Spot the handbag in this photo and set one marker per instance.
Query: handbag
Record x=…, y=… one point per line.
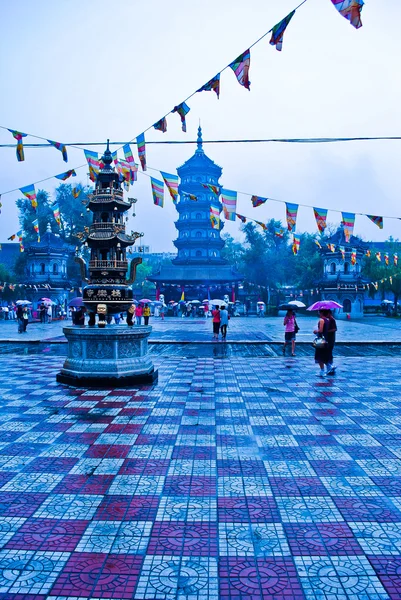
x=319, y=342
x=296, y=328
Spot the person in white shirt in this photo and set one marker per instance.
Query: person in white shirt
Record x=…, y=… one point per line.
x=223, y=322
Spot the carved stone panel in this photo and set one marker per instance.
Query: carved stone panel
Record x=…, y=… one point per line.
x=76, y=349
x=128, y=350
x=99, y=350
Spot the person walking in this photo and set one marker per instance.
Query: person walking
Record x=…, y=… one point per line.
x=138, y=314
x=42, y=313
x=49, y=313
x=146, y=314
x=331, y=340
x=25, y=317
x=162, y=311
x=224, y=317
x=20, y=320
x=322, y=353
x=216, y=322
x=130, y=315
x=290, y=324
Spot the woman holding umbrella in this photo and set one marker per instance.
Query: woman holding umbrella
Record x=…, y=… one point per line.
x=325, y=331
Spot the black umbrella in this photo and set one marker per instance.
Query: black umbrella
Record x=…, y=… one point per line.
x=288, y=307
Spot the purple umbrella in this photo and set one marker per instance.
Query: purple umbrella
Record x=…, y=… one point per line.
x=324, y=304
x=76, y=302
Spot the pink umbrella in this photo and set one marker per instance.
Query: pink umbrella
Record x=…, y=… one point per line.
x=324, y=304
x=145, y=301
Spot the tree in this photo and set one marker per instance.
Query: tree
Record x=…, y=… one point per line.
x=73, y=214
x=308, y=264
x=142, y=272
x=233, y=251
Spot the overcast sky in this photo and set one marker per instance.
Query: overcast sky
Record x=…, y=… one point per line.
x=84, y=71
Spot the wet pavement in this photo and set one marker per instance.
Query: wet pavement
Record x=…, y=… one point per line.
x=229, y=479
x=250, y=329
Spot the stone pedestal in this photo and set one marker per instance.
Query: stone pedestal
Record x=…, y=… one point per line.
x=114, y=356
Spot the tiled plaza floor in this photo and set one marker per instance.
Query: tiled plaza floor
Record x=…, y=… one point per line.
x=243, y=479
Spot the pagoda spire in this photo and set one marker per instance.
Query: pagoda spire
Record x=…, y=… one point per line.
x=200, y=140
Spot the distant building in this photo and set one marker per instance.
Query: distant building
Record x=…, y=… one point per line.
x=47, y=265
x=198, y=269
x=342, y=281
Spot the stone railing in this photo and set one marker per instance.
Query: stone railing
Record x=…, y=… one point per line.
x=113, y=227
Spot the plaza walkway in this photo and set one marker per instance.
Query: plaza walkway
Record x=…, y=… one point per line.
x=229, y=479
x=249, y=329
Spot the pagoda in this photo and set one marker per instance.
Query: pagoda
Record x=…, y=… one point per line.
x=116, y=354
x=199, y=267
x=108, y=286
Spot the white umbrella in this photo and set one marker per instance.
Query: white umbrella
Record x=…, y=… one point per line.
x=23, y=302
x=194, y=301
x=297, y=303
x=216, y=302
x=387, y=302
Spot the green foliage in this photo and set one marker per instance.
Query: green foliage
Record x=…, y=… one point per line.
x=147, y=287
x=233, y=251
x=72, y=211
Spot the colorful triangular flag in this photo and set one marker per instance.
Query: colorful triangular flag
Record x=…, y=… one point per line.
x=291, y=215
x=278, y=31
x=18, y=135
x=29, y=192
x=157, y=191
x=66, y=175
x=161, y=125
x=229, y=201
x=258, y=201
x=241, y=66
x=60, y=147
x=182, y=109
x=171, y=182
x=320, y=216
x=140, y=142
x=376, y=220
x=351, y=10
x=212, y=85
x=348, y=222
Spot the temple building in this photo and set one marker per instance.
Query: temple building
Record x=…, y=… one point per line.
x=46, y=265
x=199, y=270
x=342, y=280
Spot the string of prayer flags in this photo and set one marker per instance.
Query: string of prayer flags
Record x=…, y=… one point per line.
x=76, y=192
x=161, y=125
x=229, y=200
x=241, y=66
x=140, y=142
x=92, y=159
x=157, y=191
x=241, y=218
x=212, y=85
x=18, y=135
x=386, y=258
x=57, y=216
x=60, y=147
x=351, y=10
x=214, y=217
x=353, y=256
x=395, y=259
x=348, y=222
x=29, y=192
x=376, y=220
x=35, y=224
x=129, y=157
x=342, y=250
x=171, y=182
x=66, y=175
x=296, y=242
x=378, y=256
x=278, y=32
x=262, y=225
x=182, y=109
x=258, y=201
x=279, y=232
x=291, y=215
x=212, y=188
x=321, y=217
x=331, y=247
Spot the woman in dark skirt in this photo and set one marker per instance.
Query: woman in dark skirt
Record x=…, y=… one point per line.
x=322, y=353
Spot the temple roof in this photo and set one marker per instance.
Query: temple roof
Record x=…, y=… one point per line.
x=199, y=161
x=49, y=240
x=338, y=238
